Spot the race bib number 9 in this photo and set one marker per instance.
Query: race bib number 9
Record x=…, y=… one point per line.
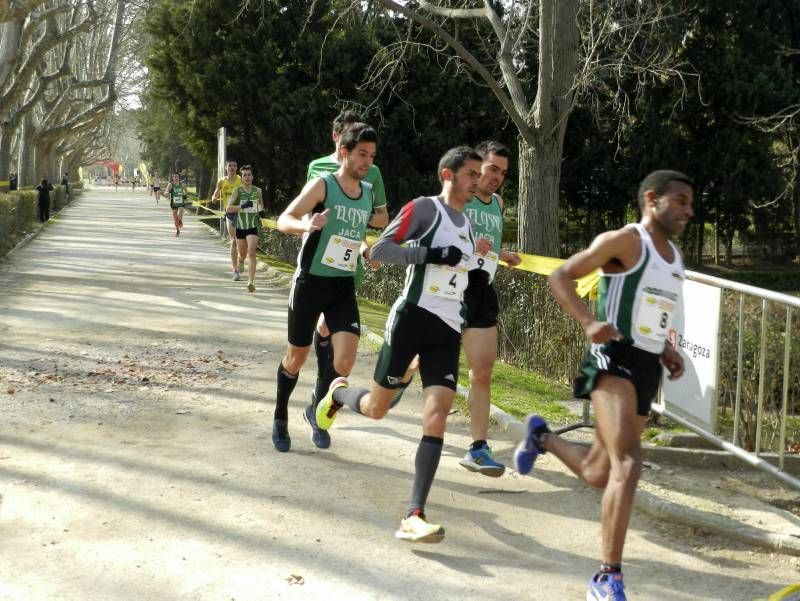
x=341, y=253
x=445, y=281
x=654, y=317
x=488, y=263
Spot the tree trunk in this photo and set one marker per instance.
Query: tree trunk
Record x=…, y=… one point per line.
x=5, y=156
x=700, y=220
x=539, y=177
x=25, y=165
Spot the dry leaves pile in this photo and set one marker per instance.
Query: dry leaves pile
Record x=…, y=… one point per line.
x=147, y=368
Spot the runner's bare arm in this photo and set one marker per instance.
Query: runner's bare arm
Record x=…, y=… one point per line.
x=291, y=220
x=233, y=202
x=380, y=218
x=217, y=191
x=618, y=245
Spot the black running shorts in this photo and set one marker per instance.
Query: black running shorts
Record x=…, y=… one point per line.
x=243, y=234
x=334, y=297
x=480, y=299
x=410, y=331
x=622, y=360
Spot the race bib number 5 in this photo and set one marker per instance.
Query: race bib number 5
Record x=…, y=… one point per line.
x=488, y=263
x=445, y=281
x=341, y=253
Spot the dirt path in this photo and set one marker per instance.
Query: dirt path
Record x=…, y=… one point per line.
x=135, y=459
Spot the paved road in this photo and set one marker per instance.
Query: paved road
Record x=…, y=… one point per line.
x=135, y=461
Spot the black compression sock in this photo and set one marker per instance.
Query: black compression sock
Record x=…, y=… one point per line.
x=426, y=463
x=286, y=384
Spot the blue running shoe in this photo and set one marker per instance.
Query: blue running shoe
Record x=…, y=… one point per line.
x=481, y=461
x=530, y=447
x=606, y=587
x=320, y=438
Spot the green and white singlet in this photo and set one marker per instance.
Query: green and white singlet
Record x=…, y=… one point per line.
x=247, y=219
x=440, y=288
x=487, y=222
x=177, y=196
x=333, y=251
x=642, y=301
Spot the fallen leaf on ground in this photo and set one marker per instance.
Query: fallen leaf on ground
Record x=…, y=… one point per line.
x=295, y=579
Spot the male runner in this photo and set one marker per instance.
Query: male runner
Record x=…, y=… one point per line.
x=331, y=212
x=640, y=289
x=247, y=203
x=156, y=186
x=426, y=320
x=177, y=201
x=222, y=193
x=379, y=219
x=485, y=213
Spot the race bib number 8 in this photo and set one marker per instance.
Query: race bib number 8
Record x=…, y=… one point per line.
x=445, y=281
x=488, y=263
x=654, y=317
x=341, y=253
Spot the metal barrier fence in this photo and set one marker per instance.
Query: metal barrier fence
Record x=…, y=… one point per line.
x=758, y=394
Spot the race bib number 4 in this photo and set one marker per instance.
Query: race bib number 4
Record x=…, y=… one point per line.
x=654, y=316
x=487, y=262
x=445, y=281
x=341, y=253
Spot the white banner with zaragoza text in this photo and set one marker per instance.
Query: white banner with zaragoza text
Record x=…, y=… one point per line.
x=695, y=333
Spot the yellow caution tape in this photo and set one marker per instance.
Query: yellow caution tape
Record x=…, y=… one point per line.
x=586, y=286
x=4, y=183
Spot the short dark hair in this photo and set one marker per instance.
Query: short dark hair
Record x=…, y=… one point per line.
x=658, y=181
x=231, y=161
x=244, y=168
x=356, y=133
x=345, y=119
x=455, y=158
x=488, y=147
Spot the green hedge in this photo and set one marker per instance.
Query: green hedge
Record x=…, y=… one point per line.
x=19, y=213
x=17, y=217
x=533, y=332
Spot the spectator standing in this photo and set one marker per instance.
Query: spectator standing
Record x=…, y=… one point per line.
x=44, y=189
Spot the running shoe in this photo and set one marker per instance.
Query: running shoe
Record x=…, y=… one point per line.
x=327, y=407
x=481, y=461
x=320, y=438
x=177, y=232
x=280, y=435
x=415, y=529
x=251, y=286
x=530, y=447
x=236, y=276
x=606, y=587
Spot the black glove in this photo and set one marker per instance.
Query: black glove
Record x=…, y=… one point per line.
x=444, y=255
x=247, y=205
